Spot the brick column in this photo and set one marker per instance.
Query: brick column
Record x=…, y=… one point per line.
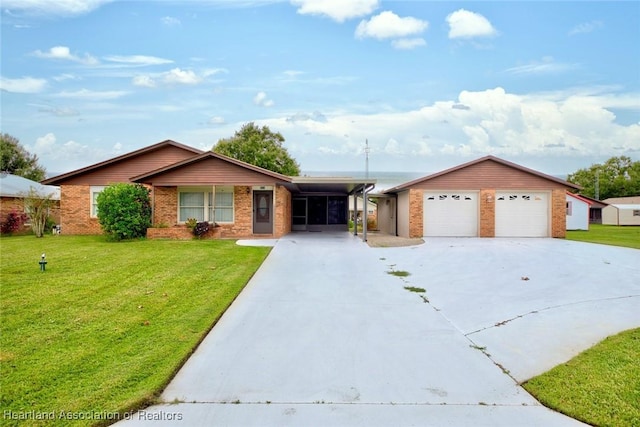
x=416, y=216
x=558, y=213
x=487, y=213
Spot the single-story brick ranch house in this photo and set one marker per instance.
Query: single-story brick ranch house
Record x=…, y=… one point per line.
x=242, y=199
x=487, y=197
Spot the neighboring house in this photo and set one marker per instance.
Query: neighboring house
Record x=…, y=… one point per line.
x=631, y=200
x=242, y=199
x=487, y=197
x=595, y=209
x=577, y=212
x=371, y=208
x=621, y=214
x=13, y=188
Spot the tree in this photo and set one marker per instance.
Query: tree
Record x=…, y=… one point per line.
x=16, y=160
x=617, y=177
x=259, y=147
x=124, y=211
x=37, y=206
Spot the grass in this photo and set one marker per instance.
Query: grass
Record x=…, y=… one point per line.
x=627, y=236
x=600, y=386
x=107, y=325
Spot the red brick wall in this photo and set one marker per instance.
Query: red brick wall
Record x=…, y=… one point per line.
x=487, y=213
x=165, y=206
x=558, y=213
x=282, y=217
x=75, y=210
x=416, y=217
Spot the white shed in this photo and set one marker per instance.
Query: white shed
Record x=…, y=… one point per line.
x=577, y=212
x=618, y=214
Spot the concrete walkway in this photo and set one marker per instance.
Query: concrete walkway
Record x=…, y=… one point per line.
x=323, y=335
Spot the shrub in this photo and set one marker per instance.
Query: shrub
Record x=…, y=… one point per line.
x=201, y=229
x=124, y=211
x=13, y=223
x=191, y=223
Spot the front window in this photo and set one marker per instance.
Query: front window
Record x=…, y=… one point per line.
x=94, y=191
x=569, y=209
x=206, y=205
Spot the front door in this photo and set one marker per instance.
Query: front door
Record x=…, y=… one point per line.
x=263, y=212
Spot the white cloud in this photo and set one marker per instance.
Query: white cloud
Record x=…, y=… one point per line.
x=586, y=27
x=170, y=21
x=261, y=100
x=338, y=10
x=389, y=25
x=92, y=94
x=22, y=85
x=408, y=44
x=568, y=126
x=546, y=66
x=57, y=7
x=216, y=120
x=143, y=81
x=466, y=24
x=137, y=60
x=179, y=76
x=64, y=53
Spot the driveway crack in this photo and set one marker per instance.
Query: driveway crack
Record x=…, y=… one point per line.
x=552, y=307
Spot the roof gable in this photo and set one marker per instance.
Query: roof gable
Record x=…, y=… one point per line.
x=486, y=172
x=579, y=198
x=210, y=168
x=122, y=168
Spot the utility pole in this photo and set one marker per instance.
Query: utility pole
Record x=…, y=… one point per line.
x=597, y=187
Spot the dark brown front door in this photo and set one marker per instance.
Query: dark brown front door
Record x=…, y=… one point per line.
x=262, y=212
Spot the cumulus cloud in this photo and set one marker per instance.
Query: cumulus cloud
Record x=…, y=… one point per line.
x=179, y=76
x=586, y=27
x=57, y=7
x=22, y=85
x=568, y=126
x=64, y=53
x=338, y=10
x=143, y=81
x=465, y=24
x=261, y=100
x=389, y=25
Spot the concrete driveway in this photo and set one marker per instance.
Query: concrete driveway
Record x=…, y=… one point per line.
x=323, y=335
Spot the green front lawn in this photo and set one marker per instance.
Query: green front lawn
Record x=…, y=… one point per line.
x=628, y=236
x=601, y=386
x=107, y=325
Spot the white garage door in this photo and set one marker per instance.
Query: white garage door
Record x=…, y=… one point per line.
x=522, y=214
x=450, y=214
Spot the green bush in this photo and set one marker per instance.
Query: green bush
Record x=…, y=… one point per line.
x=124, y=211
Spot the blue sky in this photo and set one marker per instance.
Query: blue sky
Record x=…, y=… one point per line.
x=430, y=84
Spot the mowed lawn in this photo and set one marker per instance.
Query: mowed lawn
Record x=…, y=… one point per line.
x=627, y=236
x=600, y=386
x=107, y=325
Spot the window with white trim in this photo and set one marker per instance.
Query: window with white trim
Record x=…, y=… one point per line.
x=569, y=208
x=223, y=204
x=94, y=191
x=205, y=205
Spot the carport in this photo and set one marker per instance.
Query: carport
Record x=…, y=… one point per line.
x=321, y=203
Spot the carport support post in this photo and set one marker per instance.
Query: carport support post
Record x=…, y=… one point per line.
x=364, y=213
x=355, y=214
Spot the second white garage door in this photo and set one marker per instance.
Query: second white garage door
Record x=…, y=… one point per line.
x=522, y=214
x=450, y=214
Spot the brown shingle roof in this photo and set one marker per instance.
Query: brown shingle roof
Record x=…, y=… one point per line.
x=56, y=180
x=480, y=160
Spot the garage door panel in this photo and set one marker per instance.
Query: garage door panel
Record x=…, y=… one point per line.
x=522, y=214
x=450, y=214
